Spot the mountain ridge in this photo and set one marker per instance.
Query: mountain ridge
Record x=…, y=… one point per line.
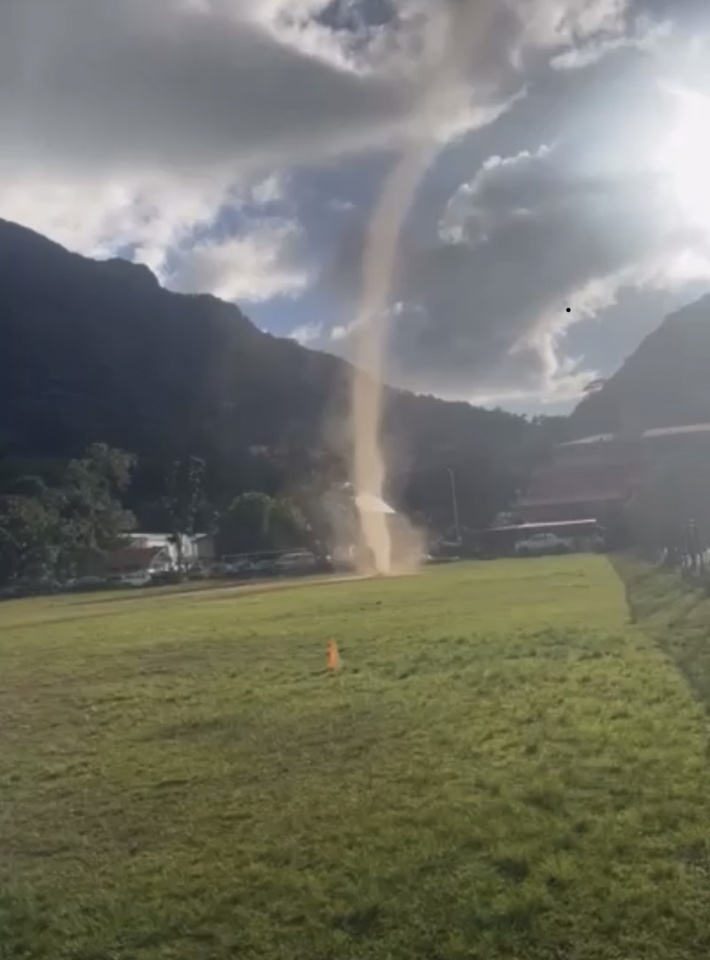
x=664, y=383
x=99, y=351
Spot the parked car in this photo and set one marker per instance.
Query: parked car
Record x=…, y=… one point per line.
x=540, y=544
x=163, y=578
x=299, y=561
x=139, y=578
x=265, y=567
x=234, y=566
x=82, y=584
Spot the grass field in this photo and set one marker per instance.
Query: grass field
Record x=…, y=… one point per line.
x=506, y=767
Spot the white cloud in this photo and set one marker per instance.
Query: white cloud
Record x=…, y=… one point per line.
x=151, y=215
x=646, y=36
x=526, y=239
x=307, y=333
x=339, y=332
x=339, y=205
x=154, y=221
x=263, y=264
x=269, y=190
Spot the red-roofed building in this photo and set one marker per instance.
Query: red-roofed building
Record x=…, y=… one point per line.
x=595, y=477
x=567, y=490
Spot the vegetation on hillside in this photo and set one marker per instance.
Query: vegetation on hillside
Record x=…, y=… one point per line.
x=664, y=383
x=99, y=352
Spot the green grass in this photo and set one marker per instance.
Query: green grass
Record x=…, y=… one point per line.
x=675, y=612
x=505, y=768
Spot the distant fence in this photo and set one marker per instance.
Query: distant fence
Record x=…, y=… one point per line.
x=688, y=551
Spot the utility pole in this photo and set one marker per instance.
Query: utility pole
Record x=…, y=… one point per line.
x=454, y=504
x=454, y=497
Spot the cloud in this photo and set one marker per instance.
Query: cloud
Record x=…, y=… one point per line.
x=269, y=190
x=126, y=84
x=117, y=113
x=171, y=225
x=128, y=125
x=520, y=244
x=170, y=130
x=307, y=333
x=645, y=35
x=145, y=216
x=261, y=265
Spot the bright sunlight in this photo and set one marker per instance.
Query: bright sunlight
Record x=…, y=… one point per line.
x=686, y=157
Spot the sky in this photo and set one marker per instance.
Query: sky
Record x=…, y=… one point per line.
x=237, y=147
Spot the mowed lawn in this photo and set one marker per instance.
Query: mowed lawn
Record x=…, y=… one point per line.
x=504, y=768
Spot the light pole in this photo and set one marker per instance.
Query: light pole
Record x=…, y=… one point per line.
x=454, y=504
x=454, y=498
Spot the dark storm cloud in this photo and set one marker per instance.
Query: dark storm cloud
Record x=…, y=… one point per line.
x=90, y=83
x=191, y=84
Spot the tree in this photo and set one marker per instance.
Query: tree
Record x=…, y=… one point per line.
x=256, y=522
x=62, y=530
x=287, y=525
x=30, y=536
x=93, y=519
x=315, y=485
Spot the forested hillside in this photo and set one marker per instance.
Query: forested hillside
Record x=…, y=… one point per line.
x=665, y=382
x=99, y=352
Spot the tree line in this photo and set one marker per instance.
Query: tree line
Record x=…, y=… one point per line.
x=59, y=519
x=56, y=528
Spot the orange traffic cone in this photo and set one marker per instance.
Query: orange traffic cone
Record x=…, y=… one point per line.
x=333, y=656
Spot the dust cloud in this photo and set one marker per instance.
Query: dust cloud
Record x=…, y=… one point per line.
x=379, y=266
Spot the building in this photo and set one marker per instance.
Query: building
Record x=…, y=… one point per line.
x=596, y=477
x=155, y=553
x=587, y=479
x=369, y=503
x=197, y=549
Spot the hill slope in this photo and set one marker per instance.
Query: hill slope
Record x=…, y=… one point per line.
x=99, y=351
x=665, y=383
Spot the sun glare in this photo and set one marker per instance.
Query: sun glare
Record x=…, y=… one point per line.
x=685, y=159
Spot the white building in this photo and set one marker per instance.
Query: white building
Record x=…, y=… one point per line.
x=196, y=549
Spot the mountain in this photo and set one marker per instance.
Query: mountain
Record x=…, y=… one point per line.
x=665, y=383
x=99, y=351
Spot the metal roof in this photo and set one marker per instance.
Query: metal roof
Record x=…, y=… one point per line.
x=369, y=503
x=645, y=435
x=538, y=524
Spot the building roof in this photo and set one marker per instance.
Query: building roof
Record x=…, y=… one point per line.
x=672, y=431
x=650, y=434
x=164, y=537
x=586, y=496
x=369, y=503
x=587, y=483
x=542, y=525
x=156, y=538
x=597, y=438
